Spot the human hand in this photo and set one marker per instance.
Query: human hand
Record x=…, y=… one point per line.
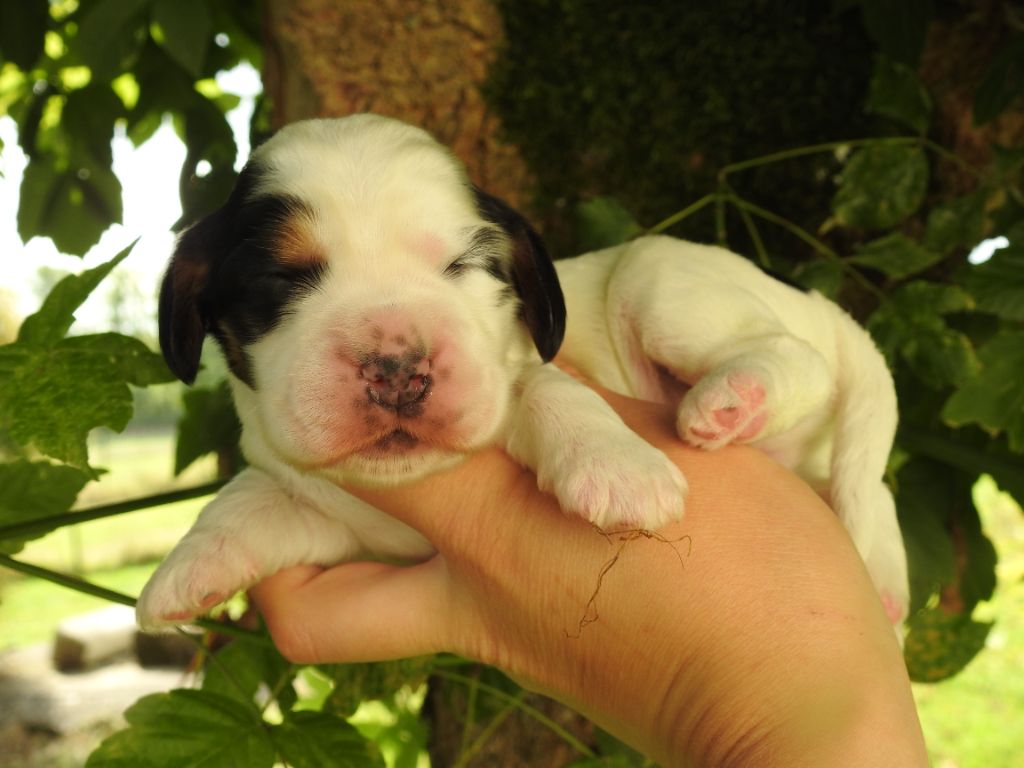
x=770, y=647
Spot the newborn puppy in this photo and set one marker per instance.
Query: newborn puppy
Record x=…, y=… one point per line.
x=382, y=318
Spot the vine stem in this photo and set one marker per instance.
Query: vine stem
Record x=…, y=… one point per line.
x=525, y=708
x=811, y=240
x=830, y=146
x=110, y=595
x=466, y=754
x=470, y=718
x=755, y=237
x=688, y=211
x=66, y=580
x=46, y=524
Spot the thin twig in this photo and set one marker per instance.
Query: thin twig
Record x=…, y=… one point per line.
x=466, y=753
x=813, y=149
x=525, y=708
x=811, y=240
x=470, y=717
x=688, y=211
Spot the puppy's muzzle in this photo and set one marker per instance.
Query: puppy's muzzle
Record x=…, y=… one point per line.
x=398, y=383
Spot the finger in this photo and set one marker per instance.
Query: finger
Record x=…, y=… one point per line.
x=356, y=611
x=441, y=506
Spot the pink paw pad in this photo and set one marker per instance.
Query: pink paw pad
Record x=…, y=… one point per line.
x=206, y=604
x=893, y=609
x=752, y=395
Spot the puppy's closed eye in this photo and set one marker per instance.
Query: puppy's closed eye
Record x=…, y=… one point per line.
x=457, y=267
x=307, y=276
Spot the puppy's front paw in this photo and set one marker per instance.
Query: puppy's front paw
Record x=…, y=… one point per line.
x=191, y=581
x=723, y=408
x=628, y=484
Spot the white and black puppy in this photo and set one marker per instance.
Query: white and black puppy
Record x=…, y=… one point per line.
x=382, y=318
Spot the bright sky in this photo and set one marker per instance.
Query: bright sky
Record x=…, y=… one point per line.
x=149, y=176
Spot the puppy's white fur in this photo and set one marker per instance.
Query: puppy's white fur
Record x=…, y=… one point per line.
x=823, y=404
x=765, y=364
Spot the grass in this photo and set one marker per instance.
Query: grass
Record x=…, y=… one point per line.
x=974, y=720
x=31, y=609
x=971, y=721
x=117, y=552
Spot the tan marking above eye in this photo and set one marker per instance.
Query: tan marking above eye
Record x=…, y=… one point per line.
x=295, y=241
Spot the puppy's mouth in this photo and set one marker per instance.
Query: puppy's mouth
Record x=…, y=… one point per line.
x=398, y=441
x=397, y=456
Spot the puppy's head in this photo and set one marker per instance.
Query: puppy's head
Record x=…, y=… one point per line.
x=374, y=308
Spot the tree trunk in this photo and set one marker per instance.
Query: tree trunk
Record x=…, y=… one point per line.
x=422, y=61
x=958, y=54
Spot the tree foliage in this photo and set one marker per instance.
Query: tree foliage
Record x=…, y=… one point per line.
x=890, y=242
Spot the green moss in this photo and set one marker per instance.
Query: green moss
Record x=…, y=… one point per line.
x=646, y=100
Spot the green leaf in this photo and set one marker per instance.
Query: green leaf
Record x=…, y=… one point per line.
x=1008, y=160
x=611, y=748
x=910, y=326
x=88, y=120
x=53, y=319
x=239, y=668
x=895, y=255
x=356, y=683
x=54, y=390
x=72, y=206
x=1003, y=83
x=22, y=31
x=998, y=284
x=186, y=26
x=318, y=739
x=957, y=223
x=33, y=490
x=208, y=425
x=897, y=93
x=52, y=396
x=187, y=729
x=603, y=222
x=609, y=761
x=209, y=137
x=940, y=644
x=881, y=185
x=968, y=449
x=898, y=28
x=994, y=399
x=111, y=32
x=978, y=579
x=924, y=490
x=821, y=275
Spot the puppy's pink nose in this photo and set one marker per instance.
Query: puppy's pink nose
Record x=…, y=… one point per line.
x=397, y=382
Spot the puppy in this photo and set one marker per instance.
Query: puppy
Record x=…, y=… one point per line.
x=382, y=318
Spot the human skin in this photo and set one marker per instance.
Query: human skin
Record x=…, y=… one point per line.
x=766, y=646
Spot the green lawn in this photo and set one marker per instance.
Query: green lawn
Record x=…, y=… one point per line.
x=30, y=609
x=976, y=719
x=117, y=552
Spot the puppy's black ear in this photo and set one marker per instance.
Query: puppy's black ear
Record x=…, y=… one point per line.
x=533, y=275
x=183, y=320
x=184, y=314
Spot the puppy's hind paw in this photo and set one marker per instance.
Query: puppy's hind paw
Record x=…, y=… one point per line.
x=723, y=408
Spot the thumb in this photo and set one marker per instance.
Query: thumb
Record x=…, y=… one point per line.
x=357, y=611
